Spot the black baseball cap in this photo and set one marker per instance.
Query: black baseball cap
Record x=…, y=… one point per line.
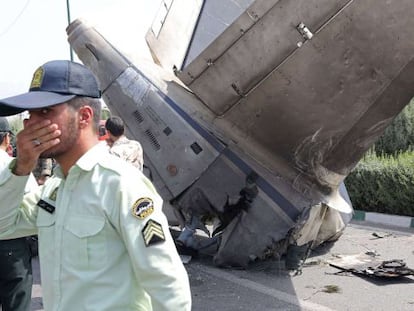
x=53, y=83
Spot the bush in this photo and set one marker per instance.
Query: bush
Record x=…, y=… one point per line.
x=399, y=136
x=383, y=184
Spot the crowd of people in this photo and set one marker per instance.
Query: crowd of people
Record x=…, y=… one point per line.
x=102, y=236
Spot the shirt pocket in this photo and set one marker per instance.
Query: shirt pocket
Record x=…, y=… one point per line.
x=84, y=242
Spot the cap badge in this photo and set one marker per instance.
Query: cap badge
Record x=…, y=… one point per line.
x=37, y=78
x=142, y=208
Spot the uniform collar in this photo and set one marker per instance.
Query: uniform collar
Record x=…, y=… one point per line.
x=92, y=157
x=88, y=160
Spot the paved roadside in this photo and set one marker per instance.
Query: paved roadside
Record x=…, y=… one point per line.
x=384, y=219
x=267, y=286
x=37, y=304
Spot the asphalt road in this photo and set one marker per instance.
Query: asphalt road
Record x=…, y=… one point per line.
x=267, y=286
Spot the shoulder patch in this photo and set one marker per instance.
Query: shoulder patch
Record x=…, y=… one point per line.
x=53, y=195
x=142, y=208
x=153, y=233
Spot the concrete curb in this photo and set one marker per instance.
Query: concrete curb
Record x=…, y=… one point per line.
x=392, y=220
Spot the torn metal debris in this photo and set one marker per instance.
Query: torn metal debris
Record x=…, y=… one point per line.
x=364, y=264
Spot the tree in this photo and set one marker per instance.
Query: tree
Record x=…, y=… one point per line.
x=399, y=136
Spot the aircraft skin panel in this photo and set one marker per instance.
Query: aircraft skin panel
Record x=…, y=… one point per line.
x=215, y=17
x=321, y=96
x=196, y=65
x=289, y=200
x=182, y=29
x=292, y=106
x=372, y=124
x=161, y=133
x=156, y=125
x=171, y=31
x=111, y=65
x=270, y=25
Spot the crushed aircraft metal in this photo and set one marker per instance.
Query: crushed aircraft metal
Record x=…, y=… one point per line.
x=372, y=266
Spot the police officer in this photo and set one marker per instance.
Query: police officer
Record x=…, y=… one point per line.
x=104, y=243
x=119, y=145
x=15, y=258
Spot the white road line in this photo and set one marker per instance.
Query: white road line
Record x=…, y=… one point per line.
x=305, y=305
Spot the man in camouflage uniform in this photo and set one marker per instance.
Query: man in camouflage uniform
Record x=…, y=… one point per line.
x=43, y=170
x=121, y=146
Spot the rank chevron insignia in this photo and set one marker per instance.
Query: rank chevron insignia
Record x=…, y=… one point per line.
x=153, y=233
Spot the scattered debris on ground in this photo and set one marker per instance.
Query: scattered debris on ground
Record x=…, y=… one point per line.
x=369, y=265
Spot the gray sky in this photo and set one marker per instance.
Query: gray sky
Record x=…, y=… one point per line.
x=33, y=32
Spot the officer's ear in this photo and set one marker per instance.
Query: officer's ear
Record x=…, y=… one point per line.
x=85, y=116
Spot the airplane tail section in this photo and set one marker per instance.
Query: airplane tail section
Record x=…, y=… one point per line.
x=265, y=117
x=315, y=82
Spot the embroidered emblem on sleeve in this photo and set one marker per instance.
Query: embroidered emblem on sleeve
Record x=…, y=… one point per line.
x=142, y=208
x=53, y=195
x=153, y=233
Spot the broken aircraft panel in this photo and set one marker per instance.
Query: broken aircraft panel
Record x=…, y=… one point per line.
x=250, y=138
x=367, y=265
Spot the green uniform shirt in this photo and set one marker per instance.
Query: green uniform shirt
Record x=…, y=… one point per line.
x=104, y=243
